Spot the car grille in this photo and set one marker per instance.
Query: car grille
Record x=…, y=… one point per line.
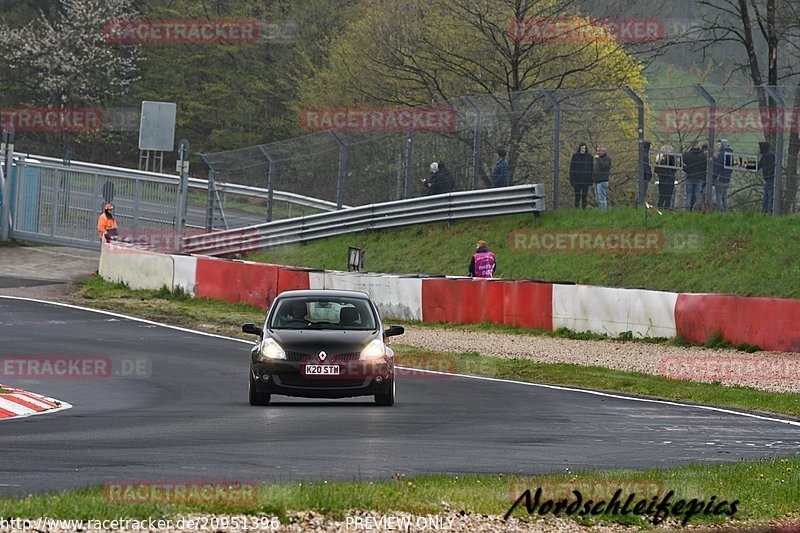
x=296, y=380
x=307, y=357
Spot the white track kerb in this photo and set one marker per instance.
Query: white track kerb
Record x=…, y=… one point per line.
x=478, y=378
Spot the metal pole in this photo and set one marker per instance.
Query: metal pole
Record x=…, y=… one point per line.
x=476, y=143
x=409, y=161
x=342, y=167
x=270, y=179
x=210, y=193
x=7, y=154
x=642, y=157
x=712, y=122
x=210, y=202
x=399, y=190
x=556, y=142
x=183, y=186
x=778, y=184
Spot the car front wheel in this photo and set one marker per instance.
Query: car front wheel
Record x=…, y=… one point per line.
x=386, y=398
x=257, y=398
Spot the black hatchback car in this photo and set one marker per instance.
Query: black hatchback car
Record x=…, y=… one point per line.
x=322, y=344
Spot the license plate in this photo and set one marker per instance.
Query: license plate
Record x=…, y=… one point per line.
x=321, y=370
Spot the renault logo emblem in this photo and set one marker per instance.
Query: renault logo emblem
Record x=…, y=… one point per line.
x=322, y=355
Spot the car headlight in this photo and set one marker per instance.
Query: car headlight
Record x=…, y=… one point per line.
x=271, y=349
x=374, y=350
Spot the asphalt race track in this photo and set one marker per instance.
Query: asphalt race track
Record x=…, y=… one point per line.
x=183, y=414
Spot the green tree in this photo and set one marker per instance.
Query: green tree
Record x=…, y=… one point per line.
x=413, y=52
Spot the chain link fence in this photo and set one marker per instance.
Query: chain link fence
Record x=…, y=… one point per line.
x=353, y=163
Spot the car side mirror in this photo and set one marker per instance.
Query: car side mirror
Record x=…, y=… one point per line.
x=252, y=329
x=394, y=330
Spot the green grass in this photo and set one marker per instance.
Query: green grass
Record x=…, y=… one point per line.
x=599, y=378
x=177, y=308
x=765, y=489
x=732, y=253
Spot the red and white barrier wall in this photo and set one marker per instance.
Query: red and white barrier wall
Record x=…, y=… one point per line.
x=772, y=324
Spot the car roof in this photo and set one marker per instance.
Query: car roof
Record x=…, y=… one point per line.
x=324, y=293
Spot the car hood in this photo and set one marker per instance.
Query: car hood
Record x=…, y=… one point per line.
x=332, y=341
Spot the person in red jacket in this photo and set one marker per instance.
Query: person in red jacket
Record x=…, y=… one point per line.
x=483, y=263
x=107, y=224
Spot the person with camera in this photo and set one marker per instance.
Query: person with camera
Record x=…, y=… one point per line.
x=107, y=224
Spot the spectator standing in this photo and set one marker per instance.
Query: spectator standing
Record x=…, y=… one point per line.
x=440, y=181
x=600, y=174
x=581, y=167
x=483, y=263
x=695, y=162
x=665, y=169
x=722, y=175
x=767, y=166
x=107, y=224
x=500, y=170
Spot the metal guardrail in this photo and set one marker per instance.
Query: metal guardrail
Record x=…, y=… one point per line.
x=194, y=183
x=453, y=206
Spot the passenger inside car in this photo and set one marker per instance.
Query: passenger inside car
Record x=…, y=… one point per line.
x=349, y=317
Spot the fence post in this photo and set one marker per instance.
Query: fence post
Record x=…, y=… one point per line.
x=7, y=155
x=398, y=193
x=476, y=143
x=556, y=142
x=712, y=123
x=778, y=183
x=209, y=193
x=270, y=178
x=641, y=156
x=183, y=186
x=342, y=167
x=409, y=161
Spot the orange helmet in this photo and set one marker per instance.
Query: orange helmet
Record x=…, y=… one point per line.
x=107, y=207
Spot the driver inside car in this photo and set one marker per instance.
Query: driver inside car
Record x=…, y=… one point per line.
x=297, y=311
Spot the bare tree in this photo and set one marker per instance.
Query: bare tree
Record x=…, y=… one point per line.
x=766, y=30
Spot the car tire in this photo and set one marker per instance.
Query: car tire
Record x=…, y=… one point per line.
x=257, y=398
x=386, y=399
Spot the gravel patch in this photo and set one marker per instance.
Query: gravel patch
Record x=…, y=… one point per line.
x=769, y=371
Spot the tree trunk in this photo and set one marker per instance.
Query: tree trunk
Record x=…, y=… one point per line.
x=790, y=183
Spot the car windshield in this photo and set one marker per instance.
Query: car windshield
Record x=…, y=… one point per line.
x=323, y=312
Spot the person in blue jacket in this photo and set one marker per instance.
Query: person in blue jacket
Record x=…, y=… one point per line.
x=500, y=170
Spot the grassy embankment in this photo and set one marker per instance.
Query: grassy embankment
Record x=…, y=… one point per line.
x=746, y=254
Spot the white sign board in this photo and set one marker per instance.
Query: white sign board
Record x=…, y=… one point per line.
x=157, y=126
